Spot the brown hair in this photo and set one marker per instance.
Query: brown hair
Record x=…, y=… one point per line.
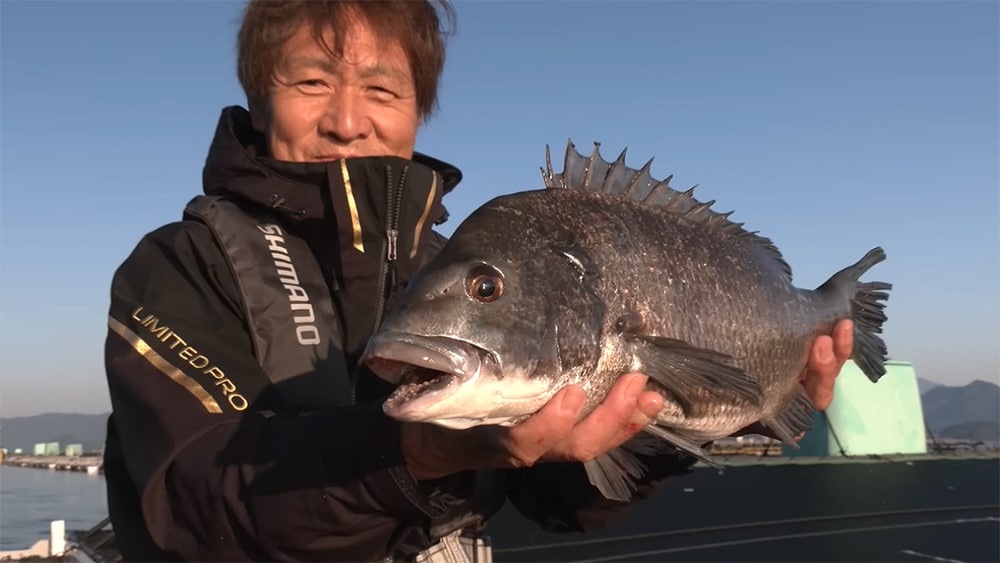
x=268, y=24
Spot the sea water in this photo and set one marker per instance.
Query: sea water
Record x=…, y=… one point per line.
x=31, y=498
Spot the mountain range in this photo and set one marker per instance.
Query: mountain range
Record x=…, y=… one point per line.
x=970, y=412
x=26, y=431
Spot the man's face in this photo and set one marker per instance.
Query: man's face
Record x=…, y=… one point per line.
x=322, y=109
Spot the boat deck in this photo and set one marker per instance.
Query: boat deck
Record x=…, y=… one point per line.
x=929, y=509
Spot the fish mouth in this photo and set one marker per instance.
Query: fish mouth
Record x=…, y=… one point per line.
x=426, y=369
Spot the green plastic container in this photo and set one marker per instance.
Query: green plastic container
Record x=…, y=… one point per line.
x=868, y=418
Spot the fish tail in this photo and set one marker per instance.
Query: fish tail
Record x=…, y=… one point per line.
x=867, y=311
x=867, y=301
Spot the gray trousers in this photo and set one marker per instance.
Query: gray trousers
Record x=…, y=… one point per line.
x=456, y=548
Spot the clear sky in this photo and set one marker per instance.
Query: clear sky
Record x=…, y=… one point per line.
x=831, y=127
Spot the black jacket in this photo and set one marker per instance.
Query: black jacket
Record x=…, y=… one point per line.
x=207, y=459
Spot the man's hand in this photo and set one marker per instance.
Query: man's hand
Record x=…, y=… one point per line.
x=827, y=357
x=554, y=433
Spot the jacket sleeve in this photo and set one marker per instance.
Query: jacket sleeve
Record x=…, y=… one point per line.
x=220, y=476
x=560, y=498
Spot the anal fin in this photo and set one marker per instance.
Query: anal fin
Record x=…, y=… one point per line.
x=793, y=420
x=614, y=473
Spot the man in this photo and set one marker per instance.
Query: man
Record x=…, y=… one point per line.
x=243, y=426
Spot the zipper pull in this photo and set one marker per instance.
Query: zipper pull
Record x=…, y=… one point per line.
x=390, y=257
x=391, y=235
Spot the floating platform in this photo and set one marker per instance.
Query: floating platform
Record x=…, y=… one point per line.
x=92, y=464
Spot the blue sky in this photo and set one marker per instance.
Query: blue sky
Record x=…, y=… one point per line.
x=831, y=127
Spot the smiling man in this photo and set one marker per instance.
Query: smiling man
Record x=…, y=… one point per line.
x=319, y=109
x=243, y=426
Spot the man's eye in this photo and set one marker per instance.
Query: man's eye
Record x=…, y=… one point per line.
x=312, y=85
x=382, y=93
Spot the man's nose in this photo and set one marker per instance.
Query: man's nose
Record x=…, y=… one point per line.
x=346, y=118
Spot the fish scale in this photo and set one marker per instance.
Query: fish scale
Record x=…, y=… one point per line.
x=770, y=349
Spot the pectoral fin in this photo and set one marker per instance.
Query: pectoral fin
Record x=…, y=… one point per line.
x=687, y=372
x=682, y=443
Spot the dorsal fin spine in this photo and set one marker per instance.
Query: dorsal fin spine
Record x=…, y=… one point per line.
x=620, y=163
x=661, y=196
x=659, y=187
x=588, y=169
x=548, y=174
x=570, y=149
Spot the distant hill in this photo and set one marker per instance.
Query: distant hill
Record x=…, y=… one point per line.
x=974, y=432
x=26, y=431
x=925, y=385
x=971, y=408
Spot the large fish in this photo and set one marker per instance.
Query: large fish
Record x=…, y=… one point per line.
x=607, y=271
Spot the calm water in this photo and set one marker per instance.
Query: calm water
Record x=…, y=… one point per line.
x=31, y=498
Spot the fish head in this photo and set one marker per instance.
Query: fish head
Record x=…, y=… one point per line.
x=475, y=338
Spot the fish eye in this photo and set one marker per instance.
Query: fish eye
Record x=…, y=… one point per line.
x=485, y=285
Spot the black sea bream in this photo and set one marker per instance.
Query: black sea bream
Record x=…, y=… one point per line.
x=605, y=272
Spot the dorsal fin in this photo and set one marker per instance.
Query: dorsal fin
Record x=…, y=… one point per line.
x=595, y=174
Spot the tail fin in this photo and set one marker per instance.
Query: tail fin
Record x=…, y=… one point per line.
x=867, y=312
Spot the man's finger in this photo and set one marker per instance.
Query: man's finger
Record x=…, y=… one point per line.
x=843, y=341
x=595, y=434
x=821, y=372
x=634, y=426
x=531, y=439
x=649, y=404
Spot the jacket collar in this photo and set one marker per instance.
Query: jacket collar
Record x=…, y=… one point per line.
x=364, y=196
